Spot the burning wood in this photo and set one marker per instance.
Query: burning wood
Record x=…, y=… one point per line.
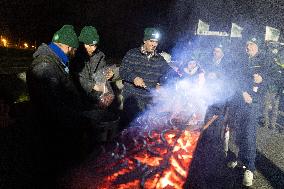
x=144, y=158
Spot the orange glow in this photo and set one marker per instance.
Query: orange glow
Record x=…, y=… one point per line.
x=167, y=166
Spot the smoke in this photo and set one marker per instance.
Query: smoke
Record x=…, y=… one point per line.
x=184, y=98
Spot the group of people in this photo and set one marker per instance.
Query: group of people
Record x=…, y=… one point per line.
x=66, y=98
x=69, y=78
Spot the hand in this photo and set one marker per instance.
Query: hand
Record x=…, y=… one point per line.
x=257, y=78
x=138, y=81
x=99, y=87
x=247, y=97
x=109, y=74
x=158, y=87
x=212, y=75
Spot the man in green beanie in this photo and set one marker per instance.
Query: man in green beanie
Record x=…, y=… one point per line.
x=57, y=105
x=142, y=70
x=88, y=62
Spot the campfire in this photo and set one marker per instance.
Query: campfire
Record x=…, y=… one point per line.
x=154, y=153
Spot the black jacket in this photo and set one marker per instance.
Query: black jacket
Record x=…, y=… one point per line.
x=83, y=69
x=52, y=92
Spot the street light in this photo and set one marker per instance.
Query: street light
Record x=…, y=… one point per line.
x=4, y=41
x=26, y=45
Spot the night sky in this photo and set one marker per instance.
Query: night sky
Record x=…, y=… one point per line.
x=120, y=23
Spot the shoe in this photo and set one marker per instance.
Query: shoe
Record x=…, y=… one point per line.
x=232, y=164
x=248, y=178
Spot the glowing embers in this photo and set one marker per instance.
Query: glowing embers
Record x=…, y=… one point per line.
x=141, y=159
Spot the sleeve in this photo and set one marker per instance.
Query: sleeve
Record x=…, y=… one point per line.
x=167, y=73
x=102, y=61
x=85, y=81
x=126, y=71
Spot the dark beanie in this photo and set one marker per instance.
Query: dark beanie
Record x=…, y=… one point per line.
x=254, y=40
x=151, y=33
x=66, y=35
x=89, y=35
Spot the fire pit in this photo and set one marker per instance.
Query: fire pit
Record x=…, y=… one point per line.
x=155, y=153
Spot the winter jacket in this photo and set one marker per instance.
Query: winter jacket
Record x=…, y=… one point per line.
x=52, y=92
x=83, y=69
x=151, y=70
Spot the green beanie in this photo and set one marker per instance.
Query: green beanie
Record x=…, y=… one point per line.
x=151, y=33
x=255, y=40
x=66, y=35
x=89, y=35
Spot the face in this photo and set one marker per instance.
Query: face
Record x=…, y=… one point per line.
x=218, y=53
x=251, y=49
x=71, y=52
x=90, y=49
x=150, y=45
x=191, y=64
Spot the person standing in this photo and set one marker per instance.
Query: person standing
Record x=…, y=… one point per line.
x=88, y=62
x=142, y=70
x=256, y=76
x=58, y=109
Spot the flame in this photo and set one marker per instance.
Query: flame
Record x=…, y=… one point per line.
x=178, y=153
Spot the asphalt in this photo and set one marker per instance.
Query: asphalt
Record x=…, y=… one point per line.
x=209, y=167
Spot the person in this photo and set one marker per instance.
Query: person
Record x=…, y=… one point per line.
x=218, y=76
x=193, y=71
x=219, y=65
x=142, y=70
x=58, y=109
x=256, y=76
x=88, y=62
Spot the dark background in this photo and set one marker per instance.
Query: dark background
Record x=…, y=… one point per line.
x=120, y=23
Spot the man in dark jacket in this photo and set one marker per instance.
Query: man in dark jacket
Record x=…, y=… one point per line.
x=142, y=69
x=89, y=60
x=256, y=76
x=57, y=104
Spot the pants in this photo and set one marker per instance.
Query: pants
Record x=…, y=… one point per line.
x=247, y=121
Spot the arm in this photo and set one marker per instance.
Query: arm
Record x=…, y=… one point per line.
x=61, y=102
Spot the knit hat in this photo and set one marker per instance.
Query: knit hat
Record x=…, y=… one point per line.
x=89, y=35
x=220, y=46
x=254, y=40
x=151, y=33
x=66, y=35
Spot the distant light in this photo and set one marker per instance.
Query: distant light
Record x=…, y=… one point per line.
x=4, y=42
x=26, y=45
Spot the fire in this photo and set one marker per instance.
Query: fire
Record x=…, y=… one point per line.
x=148, y=159
x=163, y=162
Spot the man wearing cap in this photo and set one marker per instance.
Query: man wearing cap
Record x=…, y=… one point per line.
x=142, y=70
x=256, y=76
x=57, y=104
x=88, y=61
x=218, y=76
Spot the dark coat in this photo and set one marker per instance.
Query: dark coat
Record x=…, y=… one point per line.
x=52, y=92
x=83, y=69
x=263, y=65
x=151, y=70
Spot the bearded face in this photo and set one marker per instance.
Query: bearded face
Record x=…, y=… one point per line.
x=90, y=49
x=71, y=52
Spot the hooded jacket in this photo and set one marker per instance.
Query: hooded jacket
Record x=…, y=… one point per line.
x=52, y=92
